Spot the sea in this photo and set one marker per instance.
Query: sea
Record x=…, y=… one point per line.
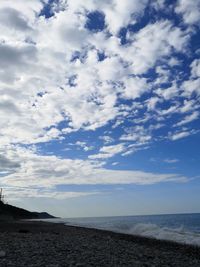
x=182, y=228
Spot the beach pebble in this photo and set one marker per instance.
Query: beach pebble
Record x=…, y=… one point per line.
x=24, y=231
x=2, y=253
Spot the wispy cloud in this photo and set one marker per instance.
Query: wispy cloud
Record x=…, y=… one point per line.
x=171, y=161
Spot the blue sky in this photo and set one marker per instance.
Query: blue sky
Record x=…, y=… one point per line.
x=99, y=106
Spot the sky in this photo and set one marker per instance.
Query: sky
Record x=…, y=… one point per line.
x=99, y=106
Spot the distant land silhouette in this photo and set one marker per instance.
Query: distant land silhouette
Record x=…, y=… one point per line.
x=9, y=212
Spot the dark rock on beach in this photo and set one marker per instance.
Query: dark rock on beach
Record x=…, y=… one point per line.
x=44, y=244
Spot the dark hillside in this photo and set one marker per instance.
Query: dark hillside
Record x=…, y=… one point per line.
x=12, y=212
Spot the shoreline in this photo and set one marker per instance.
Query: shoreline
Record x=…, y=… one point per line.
x=57, y=244
x=128, y=235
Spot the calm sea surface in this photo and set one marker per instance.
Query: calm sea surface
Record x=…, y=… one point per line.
x=183, y=228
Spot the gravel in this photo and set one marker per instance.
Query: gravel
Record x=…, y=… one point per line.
x=54, y=245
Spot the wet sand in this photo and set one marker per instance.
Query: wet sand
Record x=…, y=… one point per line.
x=54, y=245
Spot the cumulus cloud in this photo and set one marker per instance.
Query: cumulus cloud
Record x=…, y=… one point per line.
x=195, y=68
x=138, y=133
x=58, y=77
x=190, y=11
x=84, y=146
x=13, y=19
x=27, y=9
x=153, y=42
x=135, y=87
x=191, y=86
x=119, y=14
x=108, y=151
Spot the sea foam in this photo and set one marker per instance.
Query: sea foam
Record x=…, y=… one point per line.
x=179, y=235
x=181, y=228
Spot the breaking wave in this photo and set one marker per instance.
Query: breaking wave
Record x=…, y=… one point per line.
x=179, y=235
x=183, y=229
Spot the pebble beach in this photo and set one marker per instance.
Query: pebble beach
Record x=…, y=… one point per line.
x=43, y=244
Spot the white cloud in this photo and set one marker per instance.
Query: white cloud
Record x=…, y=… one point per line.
x=153, y=42
x=158, y=4
x=117, y=14
x=174, y=62
x=189, y=118
x=137, y=134
x=195, y=68
x=107, y=139
x=168, y=93
x=191, y=86
x=84, y=146
x=115, y=163
x=36, y=70
x=50, y=76
x=179, y=135
x=58, y=6
x=112, y=149
x=152, y=102
x=7, y=165
x=16, y=193
x=107, y=69
x=188, y=105
x=171, y=161
x=120, y=13
x=27, y=8
x=44, y=173
x=135, y=137
x=135, y=87
x=108, y=151
x=190, y=10
x=12, y=19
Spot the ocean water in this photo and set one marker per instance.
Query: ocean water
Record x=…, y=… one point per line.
x=182, y=228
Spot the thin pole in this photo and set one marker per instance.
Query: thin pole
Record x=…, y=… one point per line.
x=1, y=194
